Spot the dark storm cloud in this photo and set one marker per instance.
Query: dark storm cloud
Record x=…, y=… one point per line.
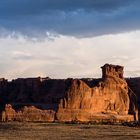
x=69, y=17
x=34, y=6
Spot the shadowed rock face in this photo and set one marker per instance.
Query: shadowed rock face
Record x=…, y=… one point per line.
x=134, y=84
x=37, y=99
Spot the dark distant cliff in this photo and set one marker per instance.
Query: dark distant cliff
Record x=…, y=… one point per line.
x=43, y=99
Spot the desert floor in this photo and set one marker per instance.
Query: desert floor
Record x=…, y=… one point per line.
x=60, y=131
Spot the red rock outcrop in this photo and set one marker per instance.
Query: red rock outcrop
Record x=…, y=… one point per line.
x=9, y=113
x=33, y=114
x=45, y=99
x=110, y=96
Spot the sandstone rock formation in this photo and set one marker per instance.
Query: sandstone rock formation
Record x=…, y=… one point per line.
x=8, y=114
x=110, y=96
x=45, y=99
x=33, y=114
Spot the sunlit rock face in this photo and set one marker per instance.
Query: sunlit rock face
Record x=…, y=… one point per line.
x=33, y=114
x=45, y=99
x=109, y=70
x=109, y=96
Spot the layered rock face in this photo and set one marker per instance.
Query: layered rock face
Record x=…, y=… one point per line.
x=37, y=99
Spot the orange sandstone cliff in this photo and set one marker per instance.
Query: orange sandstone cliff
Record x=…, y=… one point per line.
x=109, y=98
x=44, y=99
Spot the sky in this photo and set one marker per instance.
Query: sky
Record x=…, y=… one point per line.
x=68, y=38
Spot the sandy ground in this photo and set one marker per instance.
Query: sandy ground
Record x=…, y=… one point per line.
x=59, y=131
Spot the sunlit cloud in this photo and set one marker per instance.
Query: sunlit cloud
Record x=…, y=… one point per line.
x=66, y=56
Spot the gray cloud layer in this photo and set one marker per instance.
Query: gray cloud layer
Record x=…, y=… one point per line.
x=69, y=17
